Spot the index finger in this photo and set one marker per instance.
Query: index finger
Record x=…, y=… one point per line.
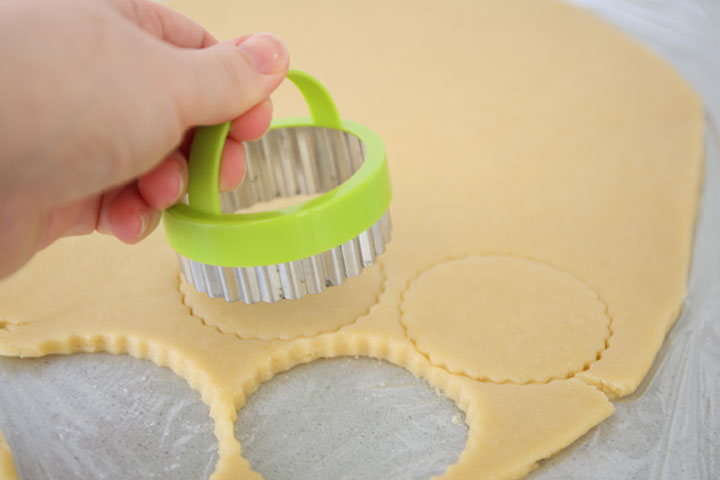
x=165, y=23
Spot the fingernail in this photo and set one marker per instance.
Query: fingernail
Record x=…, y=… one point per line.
x=144, y=222
x=182, y=185
x=267, y=52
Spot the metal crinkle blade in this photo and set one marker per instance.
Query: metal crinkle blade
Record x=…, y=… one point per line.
x=284, y=163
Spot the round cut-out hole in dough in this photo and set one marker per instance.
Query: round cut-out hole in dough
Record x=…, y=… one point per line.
x=103, y=416
x=308, y=316
x=503, y=318
x=347, y=417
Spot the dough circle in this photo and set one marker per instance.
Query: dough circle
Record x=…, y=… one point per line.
x=505, y=319
x=309, y=316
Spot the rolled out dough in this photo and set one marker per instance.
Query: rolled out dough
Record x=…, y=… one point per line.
x=521, y=130
x=7, y=468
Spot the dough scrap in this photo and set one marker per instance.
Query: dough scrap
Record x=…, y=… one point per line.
x=545, y=134
x=7, y=467
x=481, y=316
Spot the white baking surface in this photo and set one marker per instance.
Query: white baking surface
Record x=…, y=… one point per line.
x=115, y=417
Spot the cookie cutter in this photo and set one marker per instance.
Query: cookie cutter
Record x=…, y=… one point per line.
x=296, y=250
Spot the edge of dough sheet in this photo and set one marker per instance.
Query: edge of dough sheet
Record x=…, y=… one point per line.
x=7, y=467
x=611, y=373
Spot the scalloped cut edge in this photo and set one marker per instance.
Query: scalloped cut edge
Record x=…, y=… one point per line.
x=231, y=465
x=266, y=338
x=571, y=373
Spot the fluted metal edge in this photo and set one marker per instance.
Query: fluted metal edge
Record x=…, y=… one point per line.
x=291, y=280
x=287, y=162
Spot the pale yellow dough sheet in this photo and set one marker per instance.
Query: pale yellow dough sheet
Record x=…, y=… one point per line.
x=546, y=173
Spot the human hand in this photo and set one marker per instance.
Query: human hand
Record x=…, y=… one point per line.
x=98, y=101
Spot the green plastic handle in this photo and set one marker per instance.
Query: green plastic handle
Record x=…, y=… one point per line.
x=200, y=231
x=204, y=168
x=322, y=107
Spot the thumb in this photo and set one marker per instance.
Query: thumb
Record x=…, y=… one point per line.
x=228, y=79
